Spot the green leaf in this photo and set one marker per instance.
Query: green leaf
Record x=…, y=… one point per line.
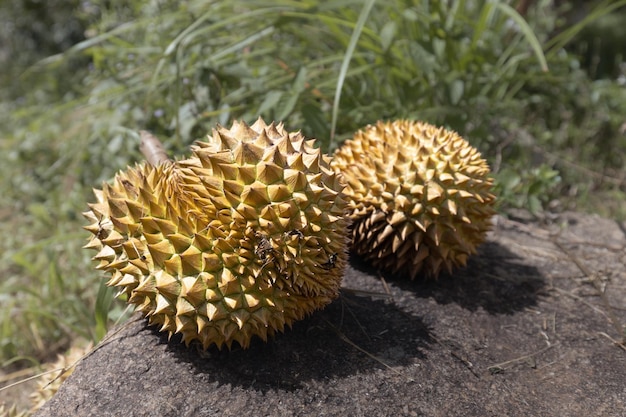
x=269, y=102
x=286, y=105
x=456, y=91
x=299, y=83
x=387, y=34
x=534, y=204
x=439, y=48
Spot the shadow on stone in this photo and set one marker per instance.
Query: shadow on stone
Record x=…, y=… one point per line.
x=439, y=341
x=495, y=279
x=353, y=335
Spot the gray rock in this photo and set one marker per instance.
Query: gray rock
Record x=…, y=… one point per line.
x=521, y=331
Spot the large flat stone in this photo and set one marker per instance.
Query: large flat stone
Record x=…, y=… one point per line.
x=522, y=331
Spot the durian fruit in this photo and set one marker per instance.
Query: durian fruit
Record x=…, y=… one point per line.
x=240, y=240
x=419, y=196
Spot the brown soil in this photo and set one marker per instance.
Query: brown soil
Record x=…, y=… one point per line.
x=530, y=328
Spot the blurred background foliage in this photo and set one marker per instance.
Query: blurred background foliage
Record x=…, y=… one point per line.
x=537, y=86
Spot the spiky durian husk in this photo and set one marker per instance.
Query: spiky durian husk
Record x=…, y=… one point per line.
x=419, y=196
x=239, y=240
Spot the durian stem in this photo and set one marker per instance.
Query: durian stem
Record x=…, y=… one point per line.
x=152, y=148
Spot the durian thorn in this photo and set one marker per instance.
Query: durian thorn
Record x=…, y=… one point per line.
x=152, y=148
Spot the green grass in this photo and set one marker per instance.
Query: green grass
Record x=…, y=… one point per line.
x=327, y=68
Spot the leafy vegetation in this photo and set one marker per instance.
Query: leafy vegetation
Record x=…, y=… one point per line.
x=553, y=130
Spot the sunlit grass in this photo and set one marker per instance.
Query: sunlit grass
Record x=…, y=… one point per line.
x=327, y=68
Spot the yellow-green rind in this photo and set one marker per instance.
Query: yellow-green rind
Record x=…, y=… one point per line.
x=240, y=240
x=419, y=196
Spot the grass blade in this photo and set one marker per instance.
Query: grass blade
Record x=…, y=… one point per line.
x=527, y=31
x=603, y=8
x=344, y=66
x=103, y=305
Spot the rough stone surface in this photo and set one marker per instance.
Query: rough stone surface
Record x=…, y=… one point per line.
x=522, y=331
